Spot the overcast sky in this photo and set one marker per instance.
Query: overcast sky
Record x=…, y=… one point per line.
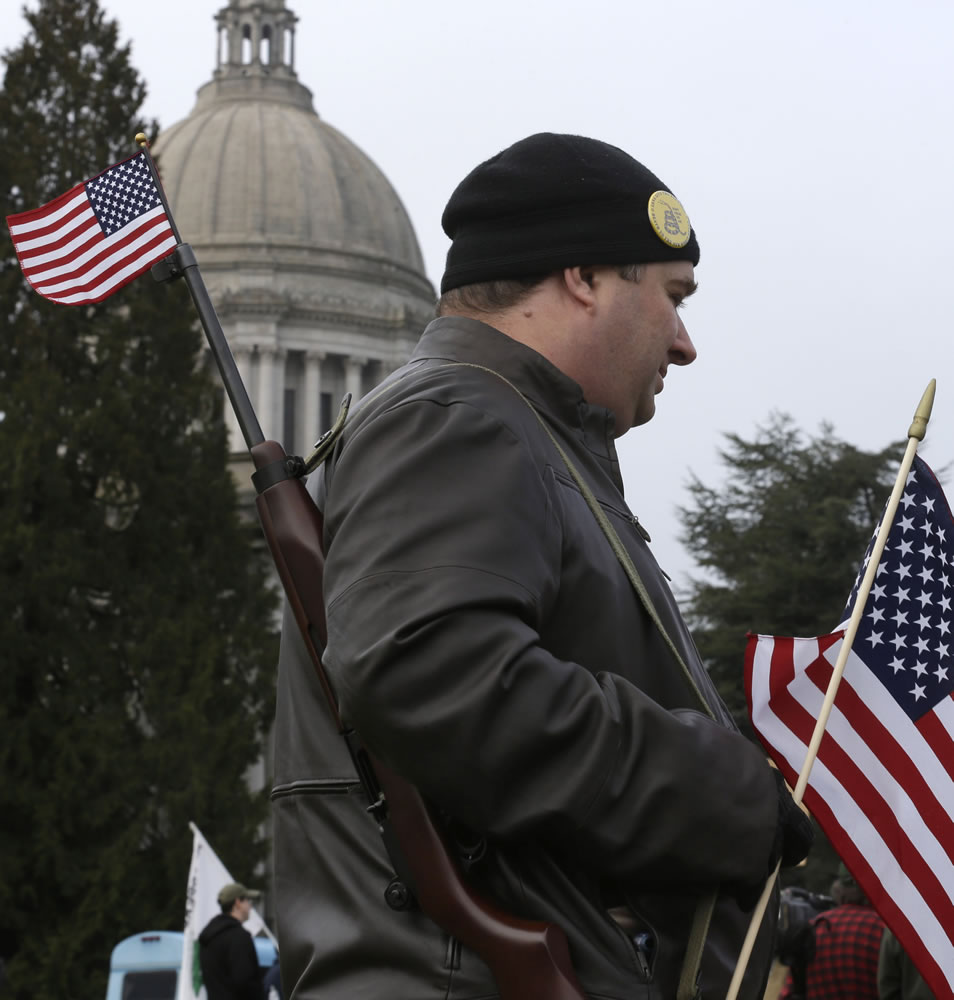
x=810, y=144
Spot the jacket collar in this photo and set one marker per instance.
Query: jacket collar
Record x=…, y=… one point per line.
x=456, y=338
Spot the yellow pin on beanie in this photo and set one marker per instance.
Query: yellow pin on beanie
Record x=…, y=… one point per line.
x=668, y=219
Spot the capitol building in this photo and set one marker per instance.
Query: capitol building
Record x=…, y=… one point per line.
x=308, y=254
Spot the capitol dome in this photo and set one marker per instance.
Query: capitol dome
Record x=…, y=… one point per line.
x=307, y=251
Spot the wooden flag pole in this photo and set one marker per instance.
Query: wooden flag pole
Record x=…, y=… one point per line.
x=915, y=435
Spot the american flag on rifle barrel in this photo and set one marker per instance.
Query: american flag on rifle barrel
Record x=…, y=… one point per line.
x=882, y=787
x=86, y=244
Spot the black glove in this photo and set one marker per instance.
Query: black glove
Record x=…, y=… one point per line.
x=794, y=834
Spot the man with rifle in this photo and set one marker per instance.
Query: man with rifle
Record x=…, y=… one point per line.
x=500, y=636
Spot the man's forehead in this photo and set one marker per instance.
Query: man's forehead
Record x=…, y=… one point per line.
x=676, y=270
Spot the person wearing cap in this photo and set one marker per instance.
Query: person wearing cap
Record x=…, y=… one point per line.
x=484, y=636
x=227, y=956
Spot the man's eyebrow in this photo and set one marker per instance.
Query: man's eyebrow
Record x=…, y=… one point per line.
x=688, y=286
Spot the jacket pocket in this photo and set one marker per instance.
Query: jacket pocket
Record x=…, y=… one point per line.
x=339, y=936
x=315, y=786
x=620, y=513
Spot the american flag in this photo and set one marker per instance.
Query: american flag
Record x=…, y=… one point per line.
x=882, y=787
x=86, y=244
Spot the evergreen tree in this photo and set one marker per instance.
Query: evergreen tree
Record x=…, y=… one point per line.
x=137, y=627
x=781, y=544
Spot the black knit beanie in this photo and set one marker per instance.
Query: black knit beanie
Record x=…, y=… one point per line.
x=552, y=201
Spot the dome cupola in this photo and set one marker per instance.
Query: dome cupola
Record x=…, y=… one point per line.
x=308, y=253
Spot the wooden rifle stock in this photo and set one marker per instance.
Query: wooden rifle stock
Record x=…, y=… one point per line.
x=529, y=960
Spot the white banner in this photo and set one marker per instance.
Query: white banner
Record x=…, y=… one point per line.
x=207, y=875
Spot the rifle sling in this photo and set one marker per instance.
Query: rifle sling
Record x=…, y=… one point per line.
x=688, y=979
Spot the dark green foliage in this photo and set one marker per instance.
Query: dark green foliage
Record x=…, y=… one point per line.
x=781, y=544
x=136, y=625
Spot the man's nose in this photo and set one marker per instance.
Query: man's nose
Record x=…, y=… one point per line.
x=683, y=350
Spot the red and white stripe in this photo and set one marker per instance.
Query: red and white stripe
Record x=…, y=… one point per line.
x=67, y=258
x=882, y=787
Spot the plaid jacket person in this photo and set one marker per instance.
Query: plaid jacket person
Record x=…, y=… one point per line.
x=845, y=966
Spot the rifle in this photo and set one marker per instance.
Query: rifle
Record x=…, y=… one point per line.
x=529, y=960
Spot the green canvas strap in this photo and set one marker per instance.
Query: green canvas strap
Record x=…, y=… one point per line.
x=688, y=988
x=689, y=976
x=327, y=441
x=623, y=556
x=612, y=537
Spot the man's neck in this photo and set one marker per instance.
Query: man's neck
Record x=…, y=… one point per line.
x=537, y=322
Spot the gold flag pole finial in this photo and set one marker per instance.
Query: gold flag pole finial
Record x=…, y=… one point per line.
x=141, y=139
x=923, y=413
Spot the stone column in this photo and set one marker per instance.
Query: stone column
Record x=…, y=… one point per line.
x=266, y=392
x=278, y=408
x=353, y=369
x=235, y=42
x=312, y=400
x=256, y=36
x=243, y=362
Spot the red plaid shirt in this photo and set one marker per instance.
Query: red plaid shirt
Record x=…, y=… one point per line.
x=845, y=966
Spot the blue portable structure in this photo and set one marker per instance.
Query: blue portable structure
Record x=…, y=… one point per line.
x=146, y=966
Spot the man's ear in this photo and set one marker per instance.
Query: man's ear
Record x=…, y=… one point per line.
x=579, y=284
